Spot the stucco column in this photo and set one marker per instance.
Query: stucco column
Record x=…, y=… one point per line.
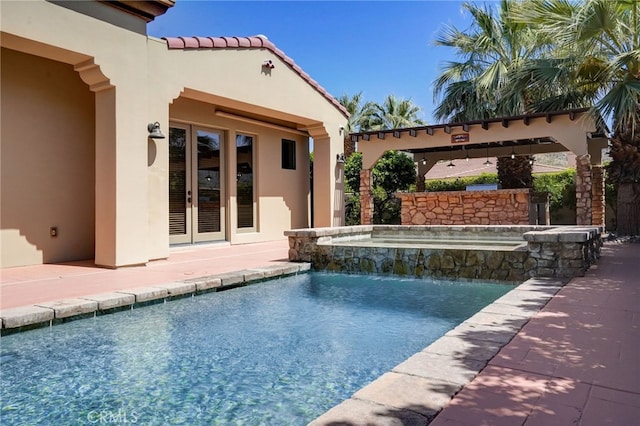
x=583, y=190
x=366, y=197
x=328, y=179
x=598, y=203
x=121, y=179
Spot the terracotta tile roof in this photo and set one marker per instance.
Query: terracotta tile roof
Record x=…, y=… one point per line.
x=253, y=42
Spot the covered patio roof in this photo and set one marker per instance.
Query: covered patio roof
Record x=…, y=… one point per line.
x=571, y=130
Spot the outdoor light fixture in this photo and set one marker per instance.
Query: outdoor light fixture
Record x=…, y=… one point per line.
x=154, y=131
x=424, y=160
x=530, y=154
x=339, y=158
x=487, y=163
x=513, y=153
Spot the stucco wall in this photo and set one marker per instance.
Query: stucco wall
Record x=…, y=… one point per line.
x=499, y=207
x=47, y=162
x=133, y=80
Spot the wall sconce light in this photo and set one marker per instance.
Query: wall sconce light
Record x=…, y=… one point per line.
x=513, y=153
x=340, y=158
x=424, y=160
x=154, y=131
x=341, y=129
x=268, y=64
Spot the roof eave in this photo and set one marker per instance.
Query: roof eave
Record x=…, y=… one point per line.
x=147, y=10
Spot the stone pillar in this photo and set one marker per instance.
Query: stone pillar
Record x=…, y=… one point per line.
x=420, y=187
x=366, y=197
x=598, y=203
x=583, y=190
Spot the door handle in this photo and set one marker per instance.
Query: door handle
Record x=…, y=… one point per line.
x=189, y=196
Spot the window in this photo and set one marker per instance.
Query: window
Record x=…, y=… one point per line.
x=288, y=154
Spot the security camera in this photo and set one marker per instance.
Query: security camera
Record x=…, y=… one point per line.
x=268, y=64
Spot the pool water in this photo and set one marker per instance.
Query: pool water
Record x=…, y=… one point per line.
x=281, y=352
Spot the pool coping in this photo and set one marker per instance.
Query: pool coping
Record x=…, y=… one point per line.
x=417, y=389
x=24, y=318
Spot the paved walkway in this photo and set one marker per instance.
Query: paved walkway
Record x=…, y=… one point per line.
x=29, y=285
x=575, y=362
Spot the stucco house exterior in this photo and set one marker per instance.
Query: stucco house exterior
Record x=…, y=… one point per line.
x=82, y=174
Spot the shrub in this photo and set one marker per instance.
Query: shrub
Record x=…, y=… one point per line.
x=460, y=184
x=560, y=186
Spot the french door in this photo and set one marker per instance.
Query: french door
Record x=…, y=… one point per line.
x=196, y=184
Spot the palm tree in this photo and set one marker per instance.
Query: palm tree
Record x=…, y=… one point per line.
x=394, y=113
x=479, y=85
x=597, y=62
x=356, y=109
x=490, y=51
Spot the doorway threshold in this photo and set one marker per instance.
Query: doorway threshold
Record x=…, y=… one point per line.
x=200, y=245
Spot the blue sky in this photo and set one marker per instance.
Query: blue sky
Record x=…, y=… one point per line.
x=374, y=47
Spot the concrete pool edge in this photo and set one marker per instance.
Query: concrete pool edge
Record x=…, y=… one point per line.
x=24, y=318
x=416, y=390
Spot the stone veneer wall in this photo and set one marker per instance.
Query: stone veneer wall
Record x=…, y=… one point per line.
x=583, y=190
x=366, y=197
x=598, y=203
x=496, y=207
x=560, y=252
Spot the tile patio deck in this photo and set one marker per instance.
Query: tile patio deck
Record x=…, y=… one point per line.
x=577, y=362
x=574, y=362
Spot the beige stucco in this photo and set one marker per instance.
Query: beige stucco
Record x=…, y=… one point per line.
x=569, y=135
x=56, y=147
x=121, y=81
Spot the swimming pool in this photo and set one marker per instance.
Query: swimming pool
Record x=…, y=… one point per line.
x=281, y=352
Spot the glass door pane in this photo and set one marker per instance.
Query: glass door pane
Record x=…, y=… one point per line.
x=178, y=209
x=209, y=183
x=244, y=189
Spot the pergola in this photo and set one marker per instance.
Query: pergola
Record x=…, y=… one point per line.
x=571, y=130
